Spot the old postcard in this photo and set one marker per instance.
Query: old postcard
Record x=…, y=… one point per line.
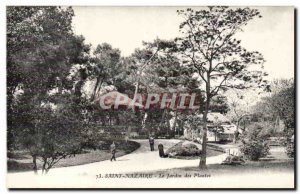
x=150, y=97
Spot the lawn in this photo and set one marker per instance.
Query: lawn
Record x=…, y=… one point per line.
x=22, y=161
x=260, y=167
x=276, y=162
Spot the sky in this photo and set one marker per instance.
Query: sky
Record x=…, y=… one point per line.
x=127, y=27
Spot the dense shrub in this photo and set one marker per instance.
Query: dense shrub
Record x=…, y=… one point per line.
x=254, y=143
x=14, y=166
x=233, y=160
x=181, y=149
x=255, y=149
x=290, y=150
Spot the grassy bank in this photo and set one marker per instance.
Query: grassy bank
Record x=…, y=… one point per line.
x=21, y=160
x=261, y=167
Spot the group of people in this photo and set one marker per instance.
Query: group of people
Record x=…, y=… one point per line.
x=113, y=148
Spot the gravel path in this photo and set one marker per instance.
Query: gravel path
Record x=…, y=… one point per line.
x=140, y=160
x=143, y=160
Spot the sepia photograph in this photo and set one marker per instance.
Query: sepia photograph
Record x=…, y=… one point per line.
x=150, y=97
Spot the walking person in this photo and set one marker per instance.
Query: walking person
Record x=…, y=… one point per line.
x=113, y=151
x=151, y=142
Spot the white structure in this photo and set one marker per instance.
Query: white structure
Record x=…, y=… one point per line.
x=219, y=129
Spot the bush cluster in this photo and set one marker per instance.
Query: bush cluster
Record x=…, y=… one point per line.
x=254, y=143
x=181, y=149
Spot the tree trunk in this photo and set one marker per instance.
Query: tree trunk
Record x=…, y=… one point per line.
x=77, y=90
x=202, y=164
x=110, y=121
x=175, y=120
x=168, y=122
x=216, y=136
x=97, y=87
x=137, y=85
x=237, y=130
x=116, y=115
x=162, y=119
x=44, y=165
x=34, y=164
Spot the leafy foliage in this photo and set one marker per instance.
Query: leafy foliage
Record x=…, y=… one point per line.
x=280, y=104
x=49, y=70
x=42, y=114
x=209, y=48
x=254, y=143
x=290, y=150
x=183, y=150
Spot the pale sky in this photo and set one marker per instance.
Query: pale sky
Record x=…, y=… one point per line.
x=126, y=27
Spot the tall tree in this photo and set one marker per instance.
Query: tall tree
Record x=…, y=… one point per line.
x=142, y=73
x=208, y=46
x=41, y=49
x=240, y=104
x=280, y=103
x=157, y=68
x=105, y=67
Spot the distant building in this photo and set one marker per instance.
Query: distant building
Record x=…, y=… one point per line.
x=219, y=129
